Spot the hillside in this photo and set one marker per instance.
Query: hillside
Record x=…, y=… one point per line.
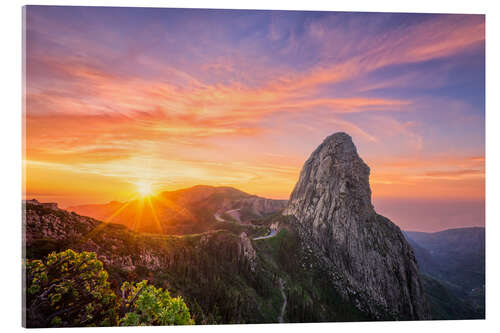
x=453, y=261
x=456, y=255
x=223, y=275
x=182, y=212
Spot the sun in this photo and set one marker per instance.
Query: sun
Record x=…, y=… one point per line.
x=144, y=188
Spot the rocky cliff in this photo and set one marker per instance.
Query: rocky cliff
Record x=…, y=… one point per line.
x=367, y=256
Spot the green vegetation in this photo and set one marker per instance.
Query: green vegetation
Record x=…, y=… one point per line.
x=448, y=305
x=218, y=283
x=237, y=228
x=146, y=305
x=310, y=293
x=69, y=289
x=72, y=289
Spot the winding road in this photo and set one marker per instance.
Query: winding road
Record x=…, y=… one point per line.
x=218, y=218
x=272, y=233
x=230, y=213
x=283, y=307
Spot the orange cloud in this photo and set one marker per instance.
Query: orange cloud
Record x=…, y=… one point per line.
x=455, y=174
x=452, y=176
x=87, y=121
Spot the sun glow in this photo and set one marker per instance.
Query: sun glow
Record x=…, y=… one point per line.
x=144, y=188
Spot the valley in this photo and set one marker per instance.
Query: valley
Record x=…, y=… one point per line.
x=452, y=263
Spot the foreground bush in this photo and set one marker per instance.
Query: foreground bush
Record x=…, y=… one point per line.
x=72, y=289
x=146, y=305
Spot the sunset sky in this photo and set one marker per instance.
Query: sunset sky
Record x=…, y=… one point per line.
x=117, y=97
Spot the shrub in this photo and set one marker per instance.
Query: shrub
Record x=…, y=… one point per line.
x=69, y=289
x=72, y=289
x=145, y=304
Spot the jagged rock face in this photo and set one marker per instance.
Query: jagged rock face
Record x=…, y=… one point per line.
x=367, y=255
x=246, y=250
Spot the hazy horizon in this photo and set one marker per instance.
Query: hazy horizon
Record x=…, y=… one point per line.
x=459, y=214
x=118, y=99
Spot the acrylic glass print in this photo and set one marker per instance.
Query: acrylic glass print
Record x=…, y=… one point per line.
x=197, y=166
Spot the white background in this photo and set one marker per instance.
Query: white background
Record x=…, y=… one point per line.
x=10, y=159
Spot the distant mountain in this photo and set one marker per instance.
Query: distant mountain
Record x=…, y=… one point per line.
x=453, y=261
x=455, y=255
x=184, y=211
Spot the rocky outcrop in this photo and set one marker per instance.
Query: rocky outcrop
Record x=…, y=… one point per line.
x=50, y=205
x=43, y=221
x=366, y=255
x=261, y=206
x=246, y=250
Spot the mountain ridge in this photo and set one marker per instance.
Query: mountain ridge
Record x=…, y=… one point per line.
x=182, y=211
x=445, y=230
